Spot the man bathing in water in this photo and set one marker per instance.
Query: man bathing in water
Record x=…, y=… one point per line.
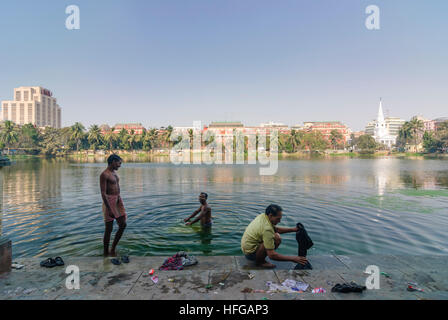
x=205, y=210
x=113, y=208
x=262, y=238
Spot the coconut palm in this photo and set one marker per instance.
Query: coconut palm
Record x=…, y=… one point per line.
x=9, y=135
x=110, y=140
x=95, y=138
x=167, y=136
x=416, y=127
x=77, y=134
x=335, y=137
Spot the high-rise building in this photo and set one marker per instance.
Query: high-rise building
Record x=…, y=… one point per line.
x=394, y=124
x=35, y=105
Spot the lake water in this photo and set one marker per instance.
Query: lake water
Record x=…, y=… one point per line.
x=349, y=206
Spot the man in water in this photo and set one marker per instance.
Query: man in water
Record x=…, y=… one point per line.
x=262, y=237
x=113, y=208
x=205, y=210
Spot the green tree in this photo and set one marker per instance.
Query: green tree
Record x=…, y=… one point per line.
x=95, y=137
x=146, y=140
x=110, y=141
x=416, y=127
x=29, y=136
x=430, y=143
x=77, y=134
x=315, y=141
x=335, y=138
x=51, y=141
x=123, y=138
x=9, y=136
x=367, y=144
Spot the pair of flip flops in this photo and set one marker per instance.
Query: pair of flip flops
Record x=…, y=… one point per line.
x=50, y=262
x=124, y=259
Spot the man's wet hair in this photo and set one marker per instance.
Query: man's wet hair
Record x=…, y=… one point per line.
x=205, y=195
x=112, y=158
x=273, y=209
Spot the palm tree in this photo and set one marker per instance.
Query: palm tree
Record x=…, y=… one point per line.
x=123, y=137
x=146, y=140
x=167, y=136
x=77, y=133
x=95, y=138
x=297, y=139
x=9, y=135
x=335, y=137
x=110, y=140
x=416, y=126
x=132, y=140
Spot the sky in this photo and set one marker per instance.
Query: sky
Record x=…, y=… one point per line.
x=172, y=62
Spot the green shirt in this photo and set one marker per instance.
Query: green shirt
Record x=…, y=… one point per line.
x=259, y=231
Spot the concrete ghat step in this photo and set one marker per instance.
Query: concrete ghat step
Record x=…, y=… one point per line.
x=225, y=277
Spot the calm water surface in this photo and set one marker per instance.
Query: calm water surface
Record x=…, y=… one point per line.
x=349, y=206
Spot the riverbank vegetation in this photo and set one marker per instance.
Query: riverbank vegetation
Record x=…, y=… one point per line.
x=77, y=140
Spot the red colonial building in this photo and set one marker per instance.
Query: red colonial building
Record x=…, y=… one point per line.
x=325, y=127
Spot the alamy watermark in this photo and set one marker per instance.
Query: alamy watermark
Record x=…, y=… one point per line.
x=72, y=281
x=373, y=281
x=226, y=146
x=373, y=20
x=73, y=21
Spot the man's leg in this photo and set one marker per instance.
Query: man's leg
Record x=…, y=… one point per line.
x=277, y=240
x=260, y=258
x=106, y=240
x=121, y=221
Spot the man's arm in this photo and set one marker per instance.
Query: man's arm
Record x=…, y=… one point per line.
x=285, y=230
x=273, y=255
x=194, y=213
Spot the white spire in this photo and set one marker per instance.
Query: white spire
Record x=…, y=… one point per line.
x=380, y=118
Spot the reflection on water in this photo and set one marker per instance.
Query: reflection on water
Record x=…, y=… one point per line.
x=53, y=206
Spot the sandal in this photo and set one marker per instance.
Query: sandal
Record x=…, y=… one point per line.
x=49, y=263
x=115, y=261
x=125, y=259
x=59, y=261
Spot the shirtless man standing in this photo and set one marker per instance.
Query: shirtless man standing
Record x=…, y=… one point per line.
x=205, y=210
x=112, y=203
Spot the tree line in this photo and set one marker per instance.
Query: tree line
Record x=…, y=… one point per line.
x=52, y=141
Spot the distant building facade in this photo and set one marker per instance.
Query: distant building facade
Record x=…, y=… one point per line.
x=35, y=105
x=325, y=127
x=137, y=128
x=225, y=125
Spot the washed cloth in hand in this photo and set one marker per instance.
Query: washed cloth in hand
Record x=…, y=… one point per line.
x=303, y=240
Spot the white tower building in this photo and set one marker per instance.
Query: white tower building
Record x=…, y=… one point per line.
x=381, y=131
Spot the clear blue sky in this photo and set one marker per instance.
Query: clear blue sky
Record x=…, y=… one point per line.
x=172, y=62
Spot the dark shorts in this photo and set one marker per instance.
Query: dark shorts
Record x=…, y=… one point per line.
x=207, y=225
x=251, y=256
